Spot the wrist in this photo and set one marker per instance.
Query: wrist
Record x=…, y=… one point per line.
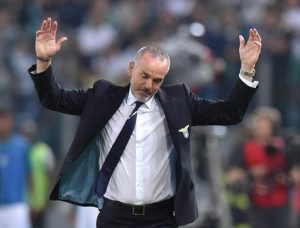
x=247, y=73
x=247, y=67
x=43, y=59
x=42, y=64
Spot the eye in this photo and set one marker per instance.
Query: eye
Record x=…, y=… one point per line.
x=145, y=75
x=157, y=81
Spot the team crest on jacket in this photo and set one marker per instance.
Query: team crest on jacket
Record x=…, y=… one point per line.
x=185, y=131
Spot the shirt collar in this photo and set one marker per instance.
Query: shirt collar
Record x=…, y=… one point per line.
x=131, y=99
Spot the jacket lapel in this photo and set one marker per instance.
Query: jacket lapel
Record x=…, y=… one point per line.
x=168, y=106
x=105, y=110
x=94, y=119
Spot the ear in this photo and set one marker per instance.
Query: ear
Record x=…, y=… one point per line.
x=130, y=68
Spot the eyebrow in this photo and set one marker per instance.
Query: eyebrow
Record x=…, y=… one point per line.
x=143, y=72
x=148, y=75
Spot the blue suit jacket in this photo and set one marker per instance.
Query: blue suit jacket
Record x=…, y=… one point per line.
x=97, y=105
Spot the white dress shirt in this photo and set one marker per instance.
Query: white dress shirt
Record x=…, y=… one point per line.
x=146, y=170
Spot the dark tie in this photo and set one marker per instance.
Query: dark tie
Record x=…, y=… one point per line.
x=115, y=153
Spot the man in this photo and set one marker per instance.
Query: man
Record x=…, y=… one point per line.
x=42, y=165
x=14, y=174
x=150, y=180
x=264, y=160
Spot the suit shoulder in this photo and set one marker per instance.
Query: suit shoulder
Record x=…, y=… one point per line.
x=176, y=88
x=103, y=83
x=104, y=87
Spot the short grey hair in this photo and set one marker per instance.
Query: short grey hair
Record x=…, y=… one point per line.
x=155, y=52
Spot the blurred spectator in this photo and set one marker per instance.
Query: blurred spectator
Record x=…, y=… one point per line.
x=71, y=12
x=14, y=175
x=189, y=58
x=231, y=27
x=9, y=32
x=96, y=33
x=253, y=12
x=291, y=20
x=277, y=49
x=295, y=197
x=26, y=102
x=292, y=137
x=42, y=165
x=237, y=196
x=264, y=160
x=29, y=13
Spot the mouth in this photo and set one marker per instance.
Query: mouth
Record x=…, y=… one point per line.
x=144, y=93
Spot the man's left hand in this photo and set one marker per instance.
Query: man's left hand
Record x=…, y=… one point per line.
x=250, y=50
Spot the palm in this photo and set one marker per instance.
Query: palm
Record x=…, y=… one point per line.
x=45, y=45
x=249, y=55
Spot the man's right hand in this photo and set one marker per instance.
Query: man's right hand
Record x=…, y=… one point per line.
x=46, y=45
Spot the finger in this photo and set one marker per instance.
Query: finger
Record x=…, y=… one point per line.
x=61, y=41
x=251, y=35
x=38, y=33
x=54, y=28
x=257, y=36
x=257, y=43
x=242, y=42
x=43, y=26
x=48, y=25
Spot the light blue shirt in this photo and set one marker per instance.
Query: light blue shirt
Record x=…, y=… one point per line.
x=14, y=169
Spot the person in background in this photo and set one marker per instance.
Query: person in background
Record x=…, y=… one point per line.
x=295, y=197
x=264, y=160
x=14, y=174
x=42, y=165
x=292, y=140
x=236, y=184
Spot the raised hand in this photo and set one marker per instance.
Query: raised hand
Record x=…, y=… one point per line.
x=46, y=45
x=250, y=51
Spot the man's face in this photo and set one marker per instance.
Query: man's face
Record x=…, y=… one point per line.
x=146, y=76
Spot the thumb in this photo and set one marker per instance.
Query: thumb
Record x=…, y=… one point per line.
x=242, y=41
x=61, y=41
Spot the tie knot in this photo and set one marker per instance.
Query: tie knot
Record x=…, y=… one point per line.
x=138, y=104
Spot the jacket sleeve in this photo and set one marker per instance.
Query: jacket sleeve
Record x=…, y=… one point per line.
x=55, y=97
x=221, y=112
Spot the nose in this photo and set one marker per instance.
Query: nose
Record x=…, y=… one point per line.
x=148, y=84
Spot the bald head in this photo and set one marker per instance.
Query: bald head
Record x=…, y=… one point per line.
x=154, y=52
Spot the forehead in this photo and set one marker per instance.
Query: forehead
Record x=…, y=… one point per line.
x=262, y=122
x=153, y=65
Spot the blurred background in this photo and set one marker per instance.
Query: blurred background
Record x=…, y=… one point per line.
x=247, y=175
